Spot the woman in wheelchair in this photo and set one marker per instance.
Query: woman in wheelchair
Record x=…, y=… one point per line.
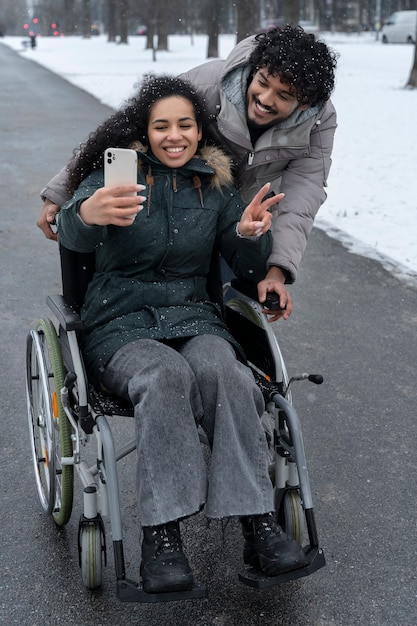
x=152, y=335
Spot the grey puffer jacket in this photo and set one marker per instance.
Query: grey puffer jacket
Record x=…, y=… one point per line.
x=294, y=155
x=151, y=277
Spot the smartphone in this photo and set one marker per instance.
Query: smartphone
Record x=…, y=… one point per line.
x=120, y=167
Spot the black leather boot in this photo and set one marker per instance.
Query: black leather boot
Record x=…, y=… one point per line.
x=164, y=566
x=268, y=548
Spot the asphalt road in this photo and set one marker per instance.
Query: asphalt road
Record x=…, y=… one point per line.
x=353, y=322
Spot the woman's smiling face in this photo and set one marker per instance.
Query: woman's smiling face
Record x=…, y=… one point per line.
x=173, y=132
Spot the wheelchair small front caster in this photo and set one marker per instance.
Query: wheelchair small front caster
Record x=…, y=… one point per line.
x=92, y=551
x=290, y=514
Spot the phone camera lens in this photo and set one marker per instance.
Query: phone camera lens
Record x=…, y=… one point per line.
x=109, y=161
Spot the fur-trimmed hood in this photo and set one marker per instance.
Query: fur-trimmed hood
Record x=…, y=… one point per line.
x=208, y=160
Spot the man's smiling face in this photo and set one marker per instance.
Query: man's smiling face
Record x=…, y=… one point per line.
x=270, y=99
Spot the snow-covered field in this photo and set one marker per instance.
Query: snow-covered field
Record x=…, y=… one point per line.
x=372, y=192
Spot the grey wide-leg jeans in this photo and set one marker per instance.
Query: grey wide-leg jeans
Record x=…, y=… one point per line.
x=199, y=382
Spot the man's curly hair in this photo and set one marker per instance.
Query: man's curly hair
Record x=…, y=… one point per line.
x=129, y=124
x=299, y=59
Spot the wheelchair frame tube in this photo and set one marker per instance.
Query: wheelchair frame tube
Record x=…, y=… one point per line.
x=294, y=425
x=111, y=477
x=78, y=368
x=299, y=453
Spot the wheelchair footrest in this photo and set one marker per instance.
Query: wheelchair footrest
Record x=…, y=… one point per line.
x=130, y=591
x=255, y=578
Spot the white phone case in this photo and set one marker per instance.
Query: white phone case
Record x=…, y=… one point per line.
x=120, y=167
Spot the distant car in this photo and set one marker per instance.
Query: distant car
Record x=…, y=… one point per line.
x=400, y=27
x=141, y=30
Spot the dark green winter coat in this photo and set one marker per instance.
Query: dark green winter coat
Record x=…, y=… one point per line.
x=150, y=279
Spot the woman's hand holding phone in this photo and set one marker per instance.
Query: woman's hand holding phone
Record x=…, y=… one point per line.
x=118, y=201
x=113, y=205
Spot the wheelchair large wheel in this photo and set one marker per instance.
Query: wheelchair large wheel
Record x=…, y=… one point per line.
x=291, y=515
x=91, y=555
x=50, y=430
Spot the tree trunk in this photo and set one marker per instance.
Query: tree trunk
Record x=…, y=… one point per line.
x=123, y=20
x=213, y=30
x=338, y=13
x=151, y=25
x=325, y=15
x=111, y=20
x=292, y=11
x=163, y=17
x=412, y=80
x=247, y=18
x=86, y=19
x=150, y=35
x=68, y=26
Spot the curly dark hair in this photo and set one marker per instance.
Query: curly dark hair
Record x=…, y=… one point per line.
x=299, y=59
x=130, y=124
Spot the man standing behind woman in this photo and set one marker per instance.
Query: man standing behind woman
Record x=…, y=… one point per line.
x=152, y=335
x=270, y=108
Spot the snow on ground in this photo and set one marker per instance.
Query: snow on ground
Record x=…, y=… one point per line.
x=372, y=188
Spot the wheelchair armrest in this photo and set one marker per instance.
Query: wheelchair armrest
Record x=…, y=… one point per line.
x=67, y=317
x=247, y=288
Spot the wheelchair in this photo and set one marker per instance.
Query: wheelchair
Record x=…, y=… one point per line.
x=66, y=414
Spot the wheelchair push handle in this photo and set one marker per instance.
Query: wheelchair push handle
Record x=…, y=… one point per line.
x=272, y=302
x=250, y=290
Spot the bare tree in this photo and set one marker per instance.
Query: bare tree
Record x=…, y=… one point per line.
x=68, y=25
x=123, y=6
x=13, y=14
x=86, y=19
x=213, y=29
x=111, y=20
x=163, y=25
x=247, y=18
x=412, y=79
x=151, y=23
x=157, y=24
x=292, y=11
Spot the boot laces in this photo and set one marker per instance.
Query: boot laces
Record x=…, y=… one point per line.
x=167, y=539
x=264, y=526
